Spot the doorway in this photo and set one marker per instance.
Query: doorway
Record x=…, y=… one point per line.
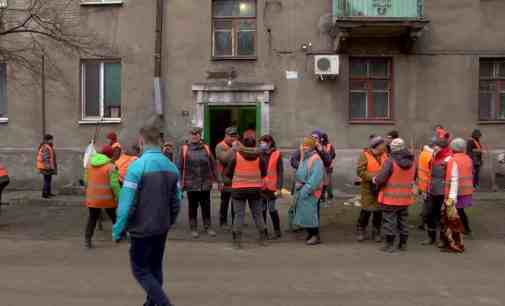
x=218, y=118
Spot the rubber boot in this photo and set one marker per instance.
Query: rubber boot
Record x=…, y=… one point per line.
x=277, y=224
x=389, y=246
x=263, y=237
x=237, y=241
x=376, y=235
x=432, y=238
x=402, y=246
x=360, y=237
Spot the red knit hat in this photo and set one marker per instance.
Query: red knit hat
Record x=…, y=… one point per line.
x=112, y=137
x=107, y=151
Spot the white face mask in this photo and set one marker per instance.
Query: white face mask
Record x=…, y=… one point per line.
x=264, y=146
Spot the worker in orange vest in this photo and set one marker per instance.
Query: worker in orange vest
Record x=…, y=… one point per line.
x=245, y=172
x=46, y=164
x=396, y=182
x=474, y=150
x=124, y=160
x=458, y=196
x=102, y=190
x=369, y=164
x=223, y=153
x=4, y=181
x=423, y=179
x=273, y=182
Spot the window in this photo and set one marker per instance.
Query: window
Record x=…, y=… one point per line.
x=3, y=91
x=371, y=86
x=101, y=2
x=101, y=90
x=492, y=90
x=234, y=28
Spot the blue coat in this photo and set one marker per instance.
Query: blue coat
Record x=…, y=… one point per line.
x=306, y=204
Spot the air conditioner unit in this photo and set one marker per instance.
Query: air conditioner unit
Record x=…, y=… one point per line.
x=326, y=65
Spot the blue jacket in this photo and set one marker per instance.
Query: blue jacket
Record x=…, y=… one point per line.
x=306, y=204
x=149, y=201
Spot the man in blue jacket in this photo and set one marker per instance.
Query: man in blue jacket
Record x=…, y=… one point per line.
x=148, y=206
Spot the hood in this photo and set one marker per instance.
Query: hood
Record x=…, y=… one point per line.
x=308, y=153
x=249, y=153
x=403, y=158
x=99, y=160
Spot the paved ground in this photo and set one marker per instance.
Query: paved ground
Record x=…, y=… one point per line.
x=42, y=262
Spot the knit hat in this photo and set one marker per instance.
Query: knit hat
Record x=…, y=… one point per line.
x=397, y=144
x=196, y=130
x=458, y=145
x=318, y=133
x=376, y=141
x=309, y=142
x=231, y=131
x=476, y=133
x=107, y=151
x=442, y=138
x=112, y=137
x=250, y=133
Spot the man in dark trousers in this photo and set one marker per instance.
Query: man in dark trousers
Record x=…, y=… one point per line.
x=474, y=150
x=148, y=207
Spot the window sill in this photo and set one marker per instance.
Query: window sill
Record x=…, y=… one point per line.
x=372, y=122
x=491, y=122
x=104, y=121
x=234, y=58
x=102, y=3
x=4, y=120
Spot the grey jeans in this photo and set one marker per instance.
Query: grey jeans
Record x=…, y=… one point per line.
x=395, y=220
x=256, y=207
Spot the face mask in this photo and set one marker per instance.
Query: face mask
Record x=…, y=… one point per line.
x=264, y=146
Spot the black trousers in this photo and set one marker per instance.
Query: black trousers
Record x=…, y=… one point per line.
x=364, y=218
x=223, y=209
x=46, y=188
x=2, y=187
x=433, y=208
x=199, y=199
x=464, y=219
x=94, y=215
x=476, y=176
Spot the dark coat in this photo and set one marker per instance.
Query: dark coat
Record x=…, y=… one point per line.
x=198, y=169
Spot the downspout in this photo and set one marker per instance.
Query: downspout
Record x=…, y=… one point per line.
x=158, y=68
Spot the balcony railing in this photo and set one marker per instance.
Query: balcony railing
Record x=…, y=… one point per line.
x=378, y=8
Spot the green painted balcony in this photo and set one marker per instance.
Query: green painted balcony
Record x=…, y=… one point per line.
x=399, y=19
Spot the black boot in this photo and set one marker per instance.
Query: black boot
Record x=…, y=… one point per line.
x=432, y=238
x=389, y=246
x=237, y=241
x=87, y=243
x=277, y=224
x=264, y=214
x=376, y=235
x=361, y=234
x=402, y=246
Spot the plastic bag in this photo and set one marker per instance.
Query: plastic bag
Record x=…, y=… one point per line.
x=90, y=151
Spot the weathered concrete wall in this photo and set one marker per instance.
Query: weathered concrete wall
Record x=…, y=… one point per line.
x=438, y=83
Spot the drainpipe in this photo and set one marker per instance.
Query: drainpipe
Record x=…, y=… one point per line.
x=43, y=92
x=158, y=54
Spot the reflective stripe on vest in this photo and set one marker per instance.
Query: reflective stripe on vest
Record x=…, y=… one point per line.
x=465, y=174
x=270, y=181
x=123, y=163
x=98, y=191
x=40, y=158
x=424, y=171
x=477, y=144
x=247, y=173
x=184, y=159
x=3, y=171
x=319, y=191
x=398, y=190
x=374, y=166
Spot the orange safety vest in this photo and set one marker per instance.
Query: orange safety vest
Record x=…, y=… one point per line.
x=184, y=158
x=373, y=165
x=424, y=170
x=319, y=191
x=465, y=174
x=99, y=194
x=123, y=163
x=247, y=173
x=477, y=144
x=398, y=190
x=3, y=171
x=40, y=160
x=270, y=181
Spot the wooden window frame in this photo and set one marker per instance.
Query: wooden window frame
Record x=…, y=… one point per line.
x=369, y=91
x=93, y=119
x=499, y=83
x=234, y=35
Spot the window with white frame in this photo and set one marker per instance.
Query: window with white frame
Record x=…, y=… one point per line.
x=3, y=91
x=93, y=2
x=101, y=90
